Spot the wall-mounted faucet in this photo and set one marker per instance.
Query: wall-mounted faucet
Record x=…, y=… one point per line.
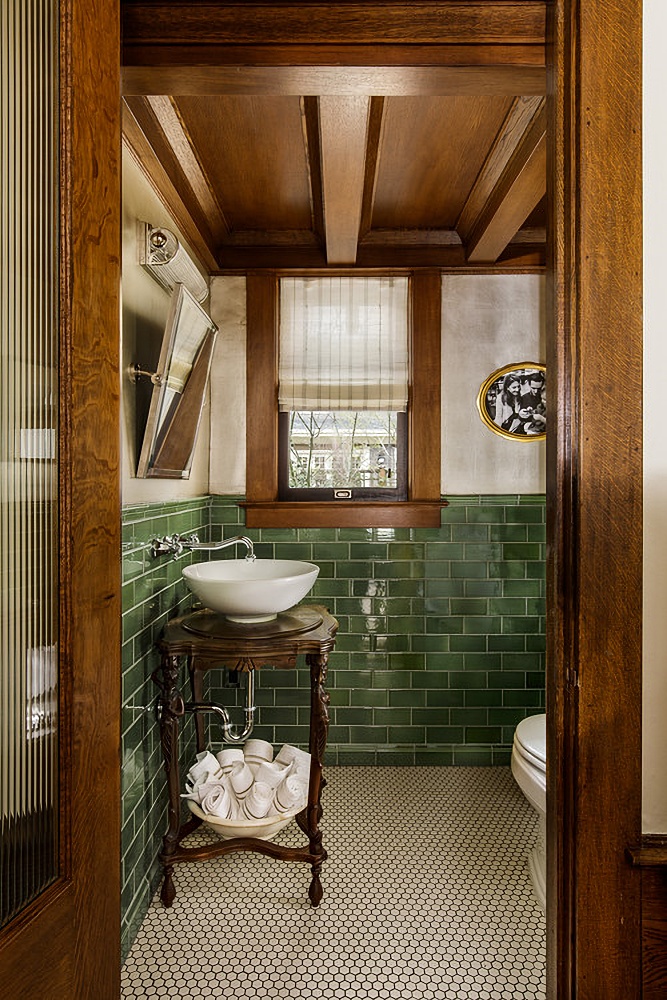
x=175, y=545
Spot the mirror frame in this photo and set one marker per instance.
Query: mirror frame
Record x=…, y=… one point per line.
x=174, y=415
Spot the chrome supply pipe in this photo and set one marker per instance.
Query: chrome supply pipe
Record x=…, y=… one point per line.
x=228, y=734
x=175, y=545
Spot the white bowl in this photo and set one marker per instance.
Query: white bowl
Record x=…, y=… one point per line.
x=246, y=591
x=264, y=829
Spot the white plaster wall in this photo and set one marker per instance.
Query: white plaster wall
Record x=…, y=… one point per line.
x=228, y=386
x=144, y=312
x=655, y=448
x=488, y=321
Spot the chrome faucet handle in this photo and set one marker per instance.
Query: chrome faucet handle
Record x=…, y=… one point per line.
x=160, y=546
x=185, y=541
x=171, y=544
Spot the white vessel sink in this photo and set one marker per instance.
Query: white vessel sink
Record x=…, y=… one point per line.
x=250, y=591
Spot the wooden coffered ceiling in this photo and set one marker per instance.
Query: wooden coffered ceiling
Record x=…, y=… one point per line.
x=343, y=135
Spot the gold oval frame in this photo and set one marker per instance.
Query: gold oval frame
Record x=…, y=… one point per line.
x=522, y=368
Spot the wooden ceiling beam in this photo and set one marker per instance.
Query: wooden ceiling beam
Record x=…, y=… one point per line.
x=375, y=127
x=197, y=79
x=168, y=119
x=511, y=183
x=395, y=248
x=518, y=119
x=343, y=140
x=523, y=255
x=253, y=258
x=525, y=260
x=310, y=120
x=494, y=22
x=404, y=48
x=409, y=238
x=278, y=238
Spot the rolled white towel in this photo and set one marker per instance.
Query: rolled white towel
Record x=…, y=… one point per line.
x=241, y=778
x=217, y=801
x=205, y=768
x=258, y=801
x=228, y=757
x=299, y=758
x=191, y=795
x=257, y=752
x=207, y=760
x=236, y=808
x=291, y=794
x=197, y=794
x=272, y=773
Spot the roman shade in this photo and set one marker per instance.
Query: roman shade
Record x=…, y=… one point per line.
x=343, y=344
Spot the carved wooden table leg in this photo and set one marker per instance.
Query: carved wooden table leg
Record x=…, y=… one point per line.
x=196, y=690
x=319, y=728
x=171, y=709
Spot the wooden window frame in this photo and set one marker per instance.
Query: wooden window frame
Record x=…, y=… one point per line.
x=263, y=507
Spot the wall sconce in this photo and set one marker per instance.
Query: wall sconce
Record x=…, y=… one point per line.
x=165, y=258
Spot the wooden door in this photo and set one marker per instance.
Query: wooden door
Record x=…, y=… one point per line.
x=61, y=937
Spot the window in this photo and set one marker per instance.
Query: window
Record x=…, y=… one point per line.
x=301, y=429
x=343, y=454
x=343, y=388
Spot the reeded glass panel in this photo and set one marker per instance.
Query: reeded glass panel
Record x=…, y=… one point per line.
x=28, y=460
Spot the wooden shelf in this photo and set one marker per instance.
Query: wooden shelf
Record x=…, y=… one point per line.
x=342, y=514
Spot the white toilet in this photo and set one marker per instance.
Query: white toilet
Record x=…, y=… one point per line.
x=529, y=767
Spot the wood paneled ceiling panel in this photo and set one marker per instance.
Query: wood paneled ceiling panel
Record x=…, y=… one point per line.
x=252, y=151
x=431, y=152
x=379, y=134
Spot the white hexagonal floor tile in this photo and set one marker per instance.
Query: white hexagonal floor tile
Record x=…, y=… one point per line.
x=426, y=896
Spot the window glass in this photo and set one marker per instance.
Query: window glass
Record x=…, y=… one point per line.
x=343, y=449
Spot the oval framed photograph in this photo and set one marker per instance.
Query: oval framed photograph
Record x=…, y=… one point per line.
x=512, y=401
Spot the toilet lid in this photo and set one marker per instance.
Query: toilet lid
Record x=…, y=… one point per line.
x=531, y=735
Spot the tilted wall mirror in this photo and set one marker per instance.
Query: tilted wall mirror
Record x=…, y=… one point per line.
x=179, y=389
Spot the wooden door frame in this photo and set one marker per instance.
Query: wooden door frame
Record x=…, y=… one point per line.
x=594, y=573
x=90, y=480
x=67, y=942
x=594, y=496
x=594, y=492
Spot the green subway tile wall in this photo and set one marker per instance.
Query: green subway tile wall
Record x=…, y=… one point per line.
x=440, y=651
x=153, y=592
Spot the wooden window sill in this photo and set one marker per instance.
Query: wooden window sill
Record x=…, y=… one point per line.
x=341, y=514
x=651, y=852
